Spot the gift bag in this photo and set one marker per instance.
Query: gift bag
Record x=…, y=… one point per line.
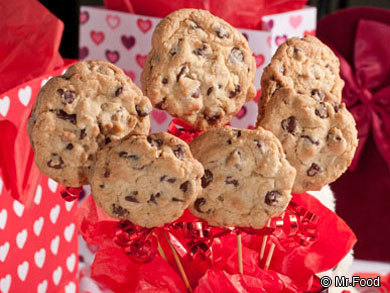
x=38, y=240
x=38, y=237
x=125, y=39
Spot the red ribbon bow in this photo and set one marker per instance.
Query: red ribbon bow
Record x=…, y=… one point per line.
x=367, y=86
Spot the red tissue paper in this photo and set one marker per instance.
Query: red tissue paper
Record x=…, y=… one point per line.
x=292, y=269
x=363, y=192
x=242, y=14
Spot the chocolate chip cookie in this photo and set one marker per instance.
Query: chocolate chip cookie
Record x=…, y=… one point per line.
x=247, y=179
x=305, y=65
x=91, y=105
x=319, y=138
x=148, y=180
x=200, y=69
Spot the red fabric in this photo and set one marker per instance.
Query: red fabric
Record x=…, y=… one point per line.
x=363, y=192
x=292, y=267
x=30, y=38
x=243, y=14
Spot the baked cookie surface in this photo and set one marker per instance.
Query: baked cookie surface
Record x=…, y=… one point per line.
x=305, y=65
x=247, y=179
x=200, y=69
x=319, y=138
x=92, y=104
x=148, y=180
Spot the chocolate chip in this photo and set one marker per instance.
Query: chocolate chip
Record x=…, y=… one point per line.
x=321, y=111
x=289, y=124
x=106, y=173
x=83, y=133
x=195, y=95
x=125, y=155
x=209, y=90
x=118, y=210
x=234, y=93
x=182, y=72
x=200, y=51
x=177, y=199
x=63, y=115
x=185, y=185
x=69, y=146
x=140, y=112
x=236, y=56
x=165, y=80
x=213, y=119
x=67, y=95
x=259, y=143
x=317, y=95
x=221, y=32
x=107, y=140
x=179, y=153
x=229, y=141
x=313, y=170
x=153, y=197
x=101, y=185
x=155, y=142
x=199, y=202
x=160, y=104
x=336, y=108
x=238, y=133
x=119, y=91
x=229, y=180
x=56, y=161
x=207, y=178
x=272, y=198
x=171, y=180
x=163, y=177
x=310, y=139
x=131, y=198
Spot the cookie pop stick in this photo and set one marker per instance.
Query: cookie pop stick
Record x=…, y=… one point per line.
x=264, y=243
x=247, y=178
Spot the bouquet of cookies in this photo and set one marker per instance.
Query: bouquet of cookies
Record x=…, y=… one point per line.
x=204, y=206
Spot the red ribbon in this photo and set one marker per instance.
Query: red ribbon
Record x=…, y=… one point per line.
x=367, y=86
x=182, y=130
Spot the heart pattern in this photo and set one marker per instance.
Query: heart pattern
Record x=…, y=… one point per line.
x=280, y=39
x=113, y=21
x=128, y=42
x=83, y=53
x=144, y=25
x=97, y=37
x=4, y=106
x=112, y=56
x=24, y=95
x=84, y=17
x=130, y=74
x=241, y=114
x=259, y=59
x=159, y=116
x=32, y=244
x=140, y=60
x=295, y=21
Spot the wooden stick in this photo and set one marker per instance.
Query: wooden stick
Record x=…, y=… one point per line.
x=239, y=250
x=269, y=257
x=265, y=238
x=179, y=265
x=161, y=251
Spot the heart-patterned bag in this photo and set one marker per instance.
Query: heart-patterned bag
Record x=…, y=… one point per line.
x=38, y=236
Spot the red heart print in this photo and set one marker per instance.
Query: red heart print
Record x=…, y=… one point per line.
x=269, y=41
x=144, y=25
x=130, y=74
x=241, y=113
x=311, y=33
x=113, y=21
x=259, y=59
x=128, y=42
x=97, y=37
x=159, y=116
x=112, y=56
x=140, y=60
x=295, y=21
x=280, y=39
x=250, y=126
x=84, y=16
x=83, y=53
x=270, y=24
x=245, y=36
